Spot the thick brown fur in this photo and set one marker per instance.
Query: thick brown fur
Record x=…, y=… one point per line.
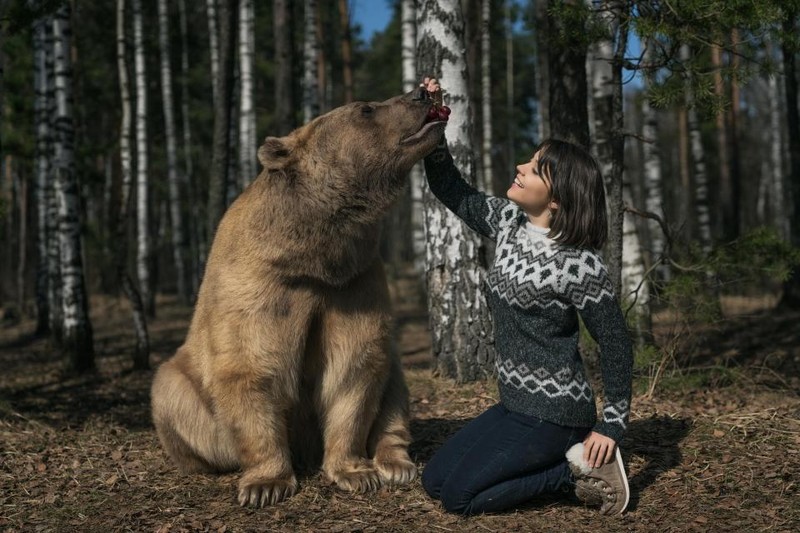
x=288, y=354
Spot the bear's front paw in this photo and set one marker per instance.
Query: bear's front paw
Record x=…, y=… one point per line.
x=261, y=492
x=398, y=471
x=355, y=476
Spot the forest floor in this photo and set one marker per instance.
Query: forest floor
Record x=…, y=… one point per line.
x=716, y=449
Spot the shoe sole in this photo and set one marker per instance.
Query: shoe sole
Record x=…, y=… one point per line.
x=618, y=458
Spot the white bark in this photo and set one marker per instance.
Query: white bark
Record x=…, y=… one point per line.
x=175, y=211
x=142, y=352
x=77, y=333
x=486, y=95
x=213, y=43
x=699, y=170
x=634, y=286
x=310, y=52
x=408, y=17
x=142, y=190
x=54, y=306
x=653, y=182
x=460, y=319
x=247, y=113
x=42, y=170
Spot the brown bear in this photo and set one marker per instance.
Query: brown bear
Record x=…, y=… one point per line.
x=288, y=351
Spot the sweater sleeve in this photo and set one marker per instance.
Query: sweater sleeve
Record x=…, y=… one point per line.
x=484, y=214
x=590, y=290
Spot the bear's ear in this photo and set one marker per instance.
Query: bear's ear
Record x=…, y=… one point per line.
x=274, y=153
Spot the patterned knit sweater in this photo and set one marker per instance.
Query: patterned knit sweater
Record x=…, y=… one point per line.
x=537, y=288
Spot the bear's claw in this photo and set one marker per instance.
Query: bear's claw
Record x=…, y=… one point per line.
x=268, y=492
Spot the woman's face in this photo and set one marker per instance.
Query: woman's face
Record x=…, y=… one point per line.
x=531, y=190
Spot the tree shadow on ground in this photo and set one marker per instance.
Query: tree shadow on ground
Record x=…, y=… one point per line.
x=656, y=440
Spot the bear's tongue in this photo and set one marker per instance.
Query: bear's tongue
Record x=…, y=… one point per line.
x=422, y=132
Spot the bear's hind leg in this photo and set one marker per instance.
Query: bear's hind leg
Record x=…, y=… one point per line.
x=185, y=425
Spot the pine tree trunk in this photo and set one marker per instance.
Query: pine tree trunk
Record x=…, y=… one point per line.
x=776, y=186
x=143, y=244
x=77, y=342
x=247, y=113
x=791, y=289
x=176, y=213
x=347, y=51
x=284, y=107
x=728, y=209
x=213, y=45
x=486, y=94
x=42, y=170
x=653, y=181
x=310, y=49
x=510, y=156
x=195, y=230
x=218, y=180
x=141, y=355
x=460, y=320
x=566, y=65
x=699, y=170
x=742, y=204
x=542, y=69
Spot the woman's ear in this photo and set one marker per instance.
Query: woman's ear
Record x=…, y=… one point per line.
x=553, y=205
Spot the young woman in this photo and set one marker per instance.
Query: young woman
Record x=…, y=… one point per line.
x=544, y=435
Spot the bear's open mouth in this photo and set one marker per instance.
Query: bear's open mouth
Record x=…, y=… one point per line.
x=423, y=131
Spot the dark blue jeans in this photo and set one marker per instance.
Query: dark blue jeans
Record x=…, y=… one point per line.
x=500, y=460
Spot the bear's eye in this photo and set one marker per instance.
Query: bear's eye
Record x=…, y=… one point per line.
x=367, y=110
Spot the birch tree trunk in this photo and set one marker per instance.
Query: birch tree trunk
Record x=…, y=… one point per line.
x=54, y=290
x=624, y=252
x=310, y=49
x=486, y=95
x=460, y=320
x=42, y=171
x=142, y=189
x=218, y=180
x=141, y=354
x=408, y=17
x=247, y=113
x=213, y=45
x=76, y=342
x=653, y=181
x=699, y=170
x=347, y=51
x=284, y=107
x=175, y=211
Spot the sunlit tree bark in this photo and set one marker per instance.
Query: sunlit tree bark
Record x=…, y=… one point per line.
x=460, y=319
x=141, y=354
x=143, y=246
x=76, y=341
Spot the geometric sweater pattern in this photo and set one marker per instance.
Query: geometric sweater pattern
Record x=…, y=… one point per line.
x=537, y=289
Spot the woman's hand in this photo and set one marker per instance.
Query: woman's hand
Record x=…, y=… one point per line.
x=598, y=449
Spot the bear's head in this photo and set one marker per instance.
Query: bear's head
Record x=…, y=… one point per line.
x=350, y=164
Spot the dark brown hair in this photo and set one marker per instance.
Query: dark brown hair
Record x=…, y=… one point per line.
x=577, y=187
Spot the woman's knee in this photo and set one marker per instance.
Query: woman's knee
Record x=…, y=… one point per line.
x=456, y=500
